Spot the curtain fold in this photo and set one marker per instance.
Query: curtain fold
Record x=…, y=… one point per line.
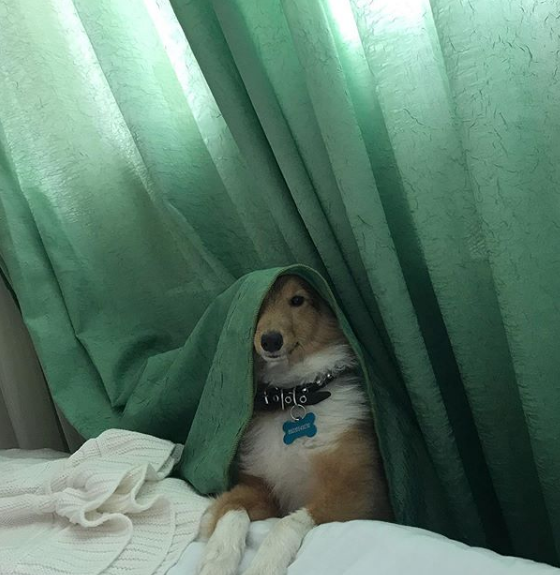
x=151, y=154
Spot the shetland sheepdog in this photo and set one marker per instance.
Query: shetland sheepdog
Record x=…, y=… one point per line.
x=310, y=453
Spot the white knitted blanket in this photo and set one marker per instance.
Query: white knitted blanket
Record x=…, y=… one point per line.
x=108, y=508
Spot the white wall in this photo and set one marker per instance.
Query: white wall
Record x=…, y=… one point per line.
x=28, y=417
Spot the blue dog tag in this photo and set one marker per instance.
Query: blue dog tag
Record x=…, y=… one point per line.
x=304, y=427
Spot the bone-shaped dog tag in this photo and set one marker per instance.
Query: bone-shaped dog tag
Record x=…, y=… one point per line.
x=304, y=427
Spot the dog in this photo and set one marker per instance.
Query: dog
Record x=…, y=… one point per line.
x=310, y=453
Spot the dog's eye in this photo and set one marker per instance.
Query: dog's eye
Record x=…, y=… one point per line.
x=297, y=300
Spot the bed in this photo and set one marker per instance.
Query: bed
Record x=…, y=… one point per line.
x=370, y=547
x=111, y=508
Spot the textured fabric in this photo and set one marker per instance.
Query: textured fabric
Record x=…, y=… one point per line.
x=407, y=150
x=108, y=508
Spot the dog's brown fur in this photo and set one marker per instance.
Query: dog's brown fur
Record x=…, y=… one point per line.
x=252, y=494
x=349, y=484
x=349, y=481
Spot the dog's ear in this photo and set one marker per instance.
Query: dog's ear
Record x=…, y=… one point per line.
x=271, y=294
x=316, y=299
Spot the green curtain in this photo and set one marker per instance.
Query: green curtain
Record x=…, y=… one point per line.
x=406, y=149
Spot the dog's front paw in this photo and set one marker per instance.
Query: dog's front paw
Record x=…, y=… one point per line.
x=269, y=562
x=220, y=560
x=281, y=545
x=205, y=526
x=225, y=548
x=265, y=569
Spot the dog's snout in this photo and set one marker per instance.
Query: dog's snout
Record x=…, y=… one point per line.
x=272, y=341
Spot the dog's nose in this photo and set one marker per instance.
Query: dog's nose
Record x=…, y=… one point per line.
x=272, y=341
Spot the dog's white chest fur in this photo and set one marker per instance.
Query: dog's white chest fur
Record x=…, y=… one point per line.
x=287, y=468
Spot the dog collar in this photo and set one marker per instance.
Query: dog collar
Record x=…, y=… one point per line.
x=271, y=398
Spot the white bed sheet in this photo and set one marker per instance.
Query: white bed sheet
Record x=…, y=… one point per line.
x=375, y=548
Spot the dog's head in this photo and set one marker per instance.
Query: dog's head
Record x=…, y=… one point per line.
x=294, y=322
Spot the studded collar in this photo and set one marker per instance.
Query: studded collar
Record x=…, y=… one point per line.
x=272, y=398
